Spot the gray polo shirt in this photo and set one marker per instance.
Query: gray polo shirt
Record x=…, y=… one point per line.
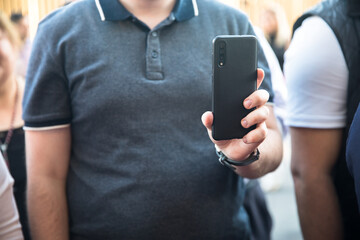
x=142, y=165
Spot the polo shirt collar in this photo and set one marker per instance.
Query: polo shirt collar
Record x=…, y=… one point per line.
x=113, y=10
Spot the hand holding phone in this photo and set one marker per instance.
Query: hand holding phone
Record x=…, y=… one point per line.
x=239, y=149
x=234, y=79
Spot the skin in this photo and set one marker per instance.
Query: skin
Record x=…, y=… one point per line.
x=314, y=154
x=23, y=28
x=151, y=12
x=266, y=136
x=48, y=152
x=48, y=155
x=8, y=53
x=8, y=57
x=268, y=22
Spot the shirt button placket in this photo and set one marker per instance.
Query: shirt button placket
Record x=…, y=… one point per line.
x=154, y=54
x=153, y=57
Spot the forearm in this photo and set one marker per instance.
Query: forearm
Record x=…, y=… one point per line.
x=48, y=155
x=318, y=207
x=47, y=209
x=314, y=155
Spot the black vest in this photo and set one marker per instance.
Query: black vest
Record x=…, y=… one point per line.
x=343, y=17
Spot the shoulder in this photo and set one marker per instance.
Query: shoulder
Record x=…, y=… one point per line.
x=68, y=22
x=219, y=7
x=316, y=72
x=313, y=48
x=220, y=11
x=314, y=25
x=69, y=16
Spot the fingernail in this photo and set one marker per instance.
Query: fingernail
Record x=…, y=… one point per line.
x=245, y=139
x=248, y=103
x=244, y=123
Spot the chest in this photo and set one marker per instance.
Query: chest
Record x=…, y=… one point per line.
x=139, y=69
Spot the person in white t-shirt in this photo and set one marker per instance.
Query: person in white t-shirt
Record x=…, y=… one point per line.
x=10, y=228
x=317, y=77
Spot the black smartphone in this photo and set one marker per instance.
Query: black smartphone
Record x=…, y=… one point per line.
x=234, y=79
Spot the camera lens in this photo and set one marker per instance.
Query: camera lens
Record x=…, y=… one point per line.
x=222, y=53
x=222, y=45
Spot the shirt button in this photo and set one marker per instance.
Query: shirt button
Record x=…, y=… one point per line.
x=154, y=34
x=154, y=54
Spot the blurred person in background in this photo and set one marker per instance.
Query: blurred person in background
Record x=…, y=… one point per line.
x=12, y=142
x=113, y=130
x=21, y=23
x=323, y=75
x=274, y=180
x=353, y=141
x=275, y=27
x=10, y=228
x=69, y=1
x=277, y=80
x=255, y=201
x=352, y=153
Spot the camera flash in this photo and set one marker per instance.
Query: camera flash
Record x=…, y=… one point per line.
x=221, y=63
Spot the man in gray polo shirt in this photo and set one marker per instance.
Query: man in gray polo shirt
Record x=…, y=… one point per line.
x=115, y=145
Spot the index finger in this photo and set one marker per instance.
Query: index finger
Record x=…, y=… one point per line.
x=256, y=99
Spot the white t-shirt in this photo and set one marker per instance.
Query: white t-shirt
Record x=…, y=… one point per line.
x=317, y=77
x=10, y=228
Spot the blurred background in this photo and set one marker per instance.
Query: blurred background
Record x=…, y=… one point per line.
x=275, y=19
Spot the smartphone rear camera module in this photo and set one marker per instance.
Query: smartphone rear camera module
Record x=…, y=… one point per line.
x=222, y=53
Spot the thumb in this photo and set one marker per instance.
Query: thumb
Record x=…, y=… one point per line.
x=207, y=119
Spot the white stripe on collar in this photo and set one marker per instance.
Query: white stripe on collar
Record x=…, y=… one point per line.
x=101, y=12
x=46, y=128
x=195, y=6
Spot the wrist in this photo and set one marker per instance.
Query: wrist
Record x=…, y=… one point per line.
x=232, y=164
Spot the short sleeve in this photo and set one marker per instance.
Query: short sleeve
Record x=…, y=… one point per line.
x=317, y=77
x=46, y=100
